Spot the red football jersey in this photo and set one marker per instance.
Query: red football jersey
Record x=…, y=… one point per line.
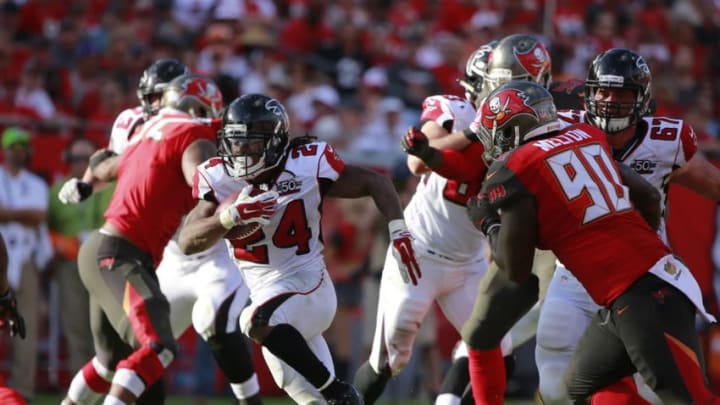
x=584, y=211
x=152, y=195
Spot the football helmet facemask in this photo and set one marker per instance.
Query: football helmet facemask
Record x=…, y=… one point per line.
x=254, y=137
x=617, y=69
x=475, y=68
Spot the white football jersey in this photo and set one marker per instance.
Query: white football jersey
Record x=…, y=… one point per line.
x=123, y=128
x=436, y=213
x=665, y=145
x=291, y=241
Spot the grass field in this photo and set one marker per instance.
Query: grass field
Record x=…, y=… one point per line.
x=45, y=399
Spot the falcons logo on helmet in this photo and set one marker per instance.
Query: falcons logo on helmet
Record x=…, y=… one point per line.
x=503, y=106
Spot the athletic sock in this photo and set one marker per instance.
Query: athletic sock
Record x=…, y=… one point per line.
x=487, y=376
x=288, y=344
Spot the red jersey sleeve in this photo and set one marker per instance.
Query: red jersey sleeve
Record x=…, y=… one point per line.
x=463, y=165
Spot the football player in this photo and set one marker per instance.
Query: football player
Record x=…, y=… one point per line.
x=515, y=57
x=661, y=149
x=450, y=251
x=129, y=314
x=560, y=189
x=203, y=290
x=273, y=188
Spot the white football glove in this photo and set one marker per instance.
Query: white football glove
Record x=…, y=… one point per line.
x=249, y=209
x=74, y=191
x=403, y=252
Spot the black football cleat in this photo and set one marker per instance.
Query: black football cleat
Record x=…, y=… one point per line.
x=348, y=396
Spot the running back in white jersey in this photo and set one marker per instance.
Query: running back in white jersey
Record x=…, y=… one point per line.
x=123, y=127
x=665, y=145
x=436, y=213
x=291, y=241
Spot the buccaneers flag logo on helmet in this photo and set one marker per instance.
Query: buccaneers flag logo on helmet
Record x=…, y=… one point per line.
x=535, y=60
x=502, y=106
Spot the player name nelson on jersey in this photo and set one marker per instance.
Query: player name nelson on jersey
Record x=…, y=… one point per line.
x=567, y=138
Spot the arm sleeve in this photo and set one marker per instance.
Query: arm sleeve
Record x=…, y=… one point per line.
x=464, y=165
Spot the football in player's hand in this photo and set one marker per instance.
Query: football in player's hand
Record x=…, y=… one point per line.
x=239, y=231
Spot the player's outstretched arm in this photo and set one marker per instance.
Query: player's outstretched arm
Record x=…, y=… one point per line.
x=438, y=138
x=102, y=168
x=644, y=196
x=357, y=182
x=699, y=175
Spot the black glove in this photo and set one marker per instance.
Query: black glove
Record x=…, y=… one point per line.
x=416, y=143
x=9, y=315
x=482, y=214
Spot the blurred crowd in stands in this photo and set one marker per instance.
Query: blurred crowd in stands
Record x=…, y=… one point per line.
x=351, y=72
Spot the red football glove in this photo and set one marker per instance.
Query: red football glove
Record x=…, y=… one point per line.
x=416, y=143
x=9, y=315
x=250, y=209
x=403, y=252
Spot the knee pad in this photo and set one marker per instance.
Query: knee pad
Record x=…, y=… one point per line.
x=144, y=367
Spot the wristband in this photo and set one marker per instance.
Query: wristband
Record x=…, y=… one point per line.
x=85, y=190
x=396, y=225
x=227, y=219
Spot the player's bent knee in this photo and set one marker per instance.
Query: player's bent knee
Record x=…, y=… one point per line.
x=144, y=367
x=400, y=345
x=204, y=313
